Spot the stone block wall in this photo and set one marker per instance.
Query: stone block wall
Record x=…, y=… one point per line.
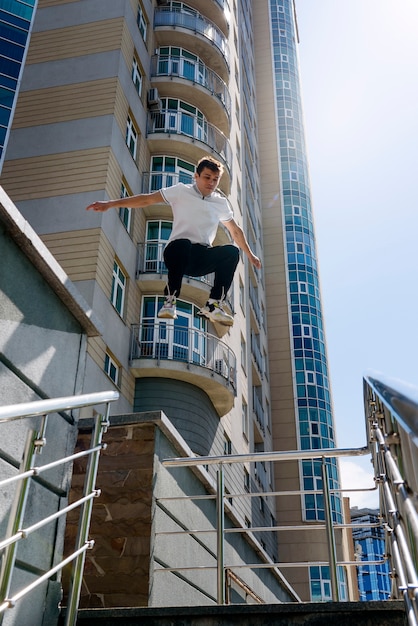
x=117, y=568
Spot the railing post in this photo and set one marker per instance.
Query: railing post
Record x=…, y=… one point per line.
x=220, y=534
x=332, y=551
x=16, y=516
x=85, y=517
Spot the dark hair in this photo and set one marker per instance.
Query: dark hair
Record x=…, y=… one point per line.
x=211, y=164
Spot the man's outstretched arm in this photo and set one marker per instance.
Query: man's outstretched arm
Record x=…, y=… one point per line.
x=132, y=202
x=240, y=239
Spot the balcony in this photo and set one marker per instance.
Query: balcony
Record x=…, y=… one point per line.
x=190, y=29
x=151, y=270
x=216, y=10
x=195, y=135
x=165, y=350
x=192, y=80
x=177, y=27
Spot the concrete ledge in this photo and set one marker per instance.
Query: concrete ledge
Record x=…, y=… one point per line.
x=390, y=613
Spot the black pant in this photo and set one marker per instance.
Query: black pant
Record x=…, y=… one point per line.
x=181, y=257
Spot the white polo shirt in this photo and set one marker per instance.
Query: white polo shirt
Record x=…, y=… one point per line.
x=194, y=217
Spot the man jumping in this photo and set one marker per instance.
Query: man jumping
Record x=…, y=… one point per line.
x=197, y=210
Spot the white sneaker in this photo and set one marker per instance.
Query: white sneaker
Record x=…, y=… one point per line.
x=214, y=311
x=168, y=310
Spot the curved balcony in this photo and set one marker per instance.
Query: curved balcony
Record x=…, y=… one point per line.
x=196, y=136
x=205, y=36
x=216, y=10
x=165, y=350
x=151, y=270
x=193, y=81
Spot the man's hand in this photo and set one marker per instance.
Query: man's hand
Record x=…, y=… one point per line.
x=100, y=206
x=255, y=260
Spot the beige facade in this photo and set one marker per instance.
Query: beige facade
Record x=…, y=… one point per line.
x=122, y=99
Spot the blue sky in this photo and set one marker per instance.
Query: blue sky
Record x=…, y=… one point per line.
x=359, y=76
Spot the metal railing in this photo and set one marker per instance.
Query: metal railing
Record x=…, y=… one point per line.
x=328, y=525
x=174, y=122
x=194, y=71
x=392, y=427
x=392, y=412
x=197, y=23
x=164, y=341
x=150, y=261
x=29, y=469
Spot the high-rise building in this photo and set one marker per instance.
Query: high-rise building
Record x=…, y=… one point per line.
x=16, y=19
x=120, y=98
x=299, y=379
x=374, y=578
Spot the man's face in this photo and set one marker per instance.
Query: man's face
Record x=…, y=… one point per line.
x=207, y=181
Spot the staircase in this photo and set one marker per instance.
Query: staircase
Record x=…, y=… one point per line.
x=306, y=614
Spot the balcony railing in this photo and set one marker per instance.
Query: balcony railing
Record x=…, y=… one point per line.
x=150, y=261
x=165, y=341
x=193, y=126
x=195, y=72
x=178, y=18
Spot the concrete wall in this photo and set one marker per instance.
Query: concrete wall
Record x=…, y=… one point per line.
x=43, y=330
x=128, y=564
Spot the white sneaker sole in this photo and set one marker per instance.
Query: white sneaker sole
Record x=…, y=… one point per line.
x=166, y=315
x=213, y=318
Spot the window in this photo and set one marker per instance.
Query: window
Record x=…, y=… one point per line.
x=288, y=112
x=125, y=213
x=291, y=143
x=241, y=295
x=246, y=480
x=142, y=23
x=284, y=57
x=158, y=232
x=167, y=171
x=132, y=137
x=117, y=297
x=286, y=84
x=245, y=423
x=296, y=209
x=227, y=444
x=310, y=377
x=137, y=76
x=111, y=368
x=243, y=354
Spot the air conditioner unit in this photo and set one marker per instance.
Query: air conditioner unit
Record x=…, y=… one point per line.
x=154, y=102
x=221, y=368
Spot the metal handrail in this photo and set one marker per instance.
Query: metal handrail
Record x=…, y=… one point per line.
x=162, y=341
x=169, y=16
x=170, y=65
x=391, y=408
x=36, y=440
x=174, y=122
x=392, y=421
x=295, y=455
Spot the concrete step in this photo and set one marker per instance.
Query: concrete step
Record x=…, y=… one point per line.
x=390, y=613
